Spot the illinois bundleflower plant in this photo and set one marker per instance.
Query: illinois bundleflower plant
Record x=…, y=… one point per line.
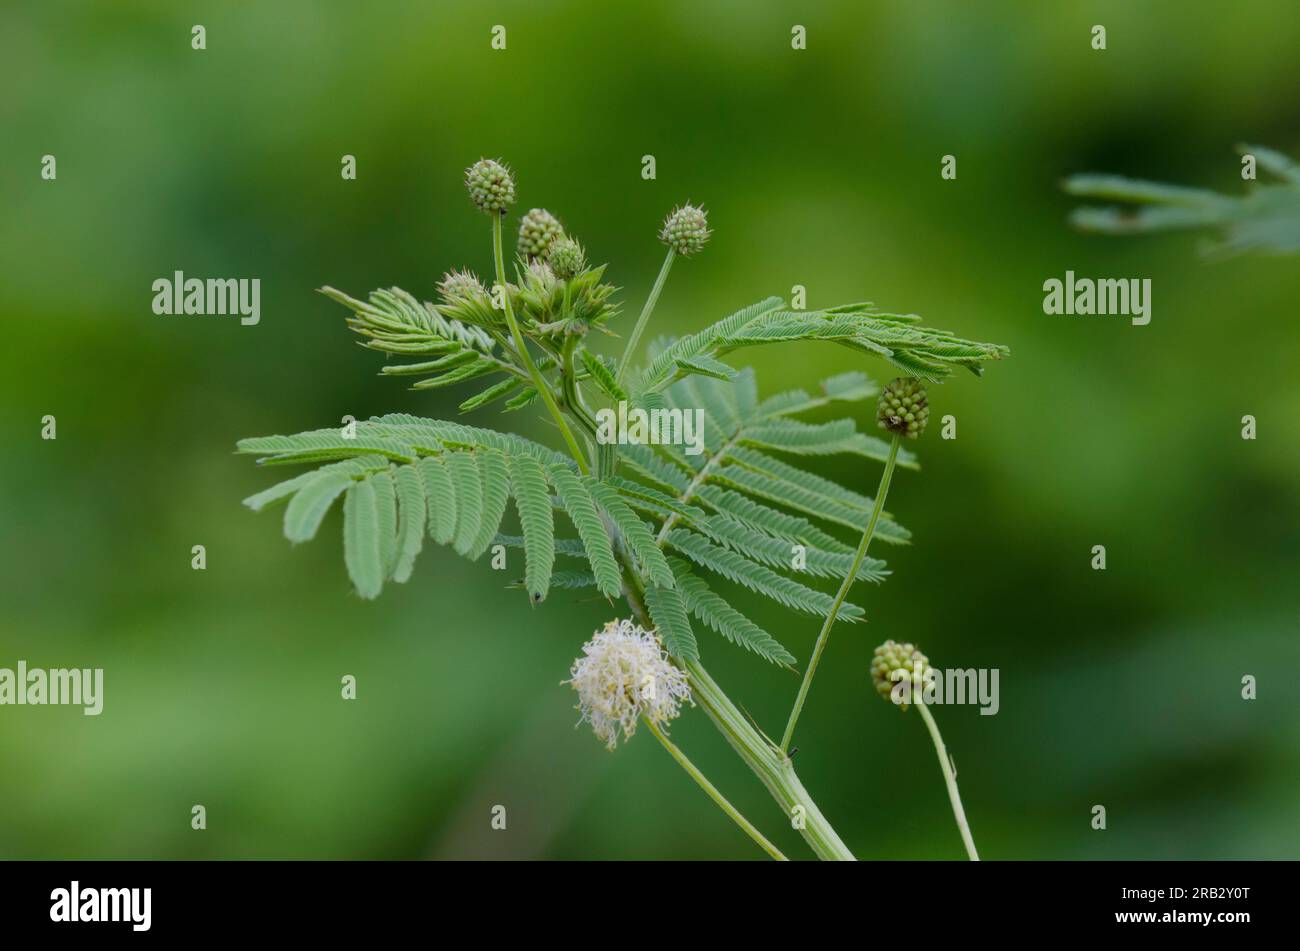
x=650, y=527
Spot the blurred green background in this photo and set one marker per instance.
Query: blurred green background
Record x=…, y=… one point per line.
x=820, y=168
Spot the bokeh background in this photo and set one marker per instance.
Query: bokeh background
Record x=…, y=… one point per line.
x=820, y=168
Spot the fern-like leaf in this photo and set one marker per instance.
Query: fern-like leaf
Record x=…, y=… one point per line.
x=386, y=518
x=412, y=517
x=394, y=322
x=440, y=493
x=533, y=502
x=919, y=351
x=495, y=473
x=362, y=551
x=756, y=577
x=668, y=612
x=463, y=469
x=581, y=508
x=601, y=375
x=307, y=508
x=633, y=530
x=701, y=601
x=780, y=553
x=1266, y=218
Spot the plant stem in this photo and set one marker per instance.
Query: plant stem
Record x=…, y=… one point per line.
x=543, y=388
x=949, y=777
x=713, y=793
x=641, y=321
x=770, y=764
x=881, y=492
x=772, y=767
x=573, y=400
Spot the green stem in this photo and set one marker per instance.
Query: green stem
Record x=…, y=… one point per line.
x=543, y=388
x=713, y=793
x=773, y=769
x=641, y=321
x=843, y=593
x=949, y=777
x=573, y=400
x=770, y=765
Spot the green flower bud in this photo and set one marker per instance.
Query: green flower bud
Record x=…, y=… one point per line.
x=491, y=186
x=904, y=407
x=891, y=657
x=539, y=275
x=461, y=285
x=537, y=232
x=686, y=229
x=566, y=258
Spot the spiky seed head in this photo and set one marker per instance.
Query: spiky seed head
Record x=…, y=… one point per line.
x=566, y=258
x=491, y=186
x=904, y=407
x=537, y=232
x=540, y=274
x=461, y=285
x=686, y=229
x=894, y=662
x=623, y=675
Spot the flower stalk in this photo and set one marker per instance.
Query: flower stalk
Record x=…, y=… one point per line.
x=713, y=793
x=543, y=388
x=950, y=779
x=644, y=317
x=772, y=767
x=769, y=764
x=881, y=492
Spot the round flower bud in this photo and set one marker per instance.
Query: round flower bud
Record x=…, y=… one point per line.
x=461, y=285
x=537, y=232
x=686, y=229
x=566, y=258
x=893, y=663
x=491, y=186
x=903, y=408
x=622, y=676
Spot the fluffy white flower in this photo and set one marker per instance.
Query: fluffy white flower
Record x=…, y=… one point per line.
x=623, y=675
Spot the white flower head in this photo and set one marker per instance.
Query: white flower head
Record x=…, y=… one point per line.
x=624, y=674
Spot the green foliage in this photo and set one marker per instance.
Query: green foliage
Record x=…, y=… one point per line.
x=918, y=351
x=450, y=480
x=723, y=618
x=725, y=511
x=466, y=336
x=550, y=307
x=1266, y=218
x=602, y=375
x=455, y=482
x=533, y=500
x=576, y=498
x=652, y=521
x=668, y=611
x=394, y=322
